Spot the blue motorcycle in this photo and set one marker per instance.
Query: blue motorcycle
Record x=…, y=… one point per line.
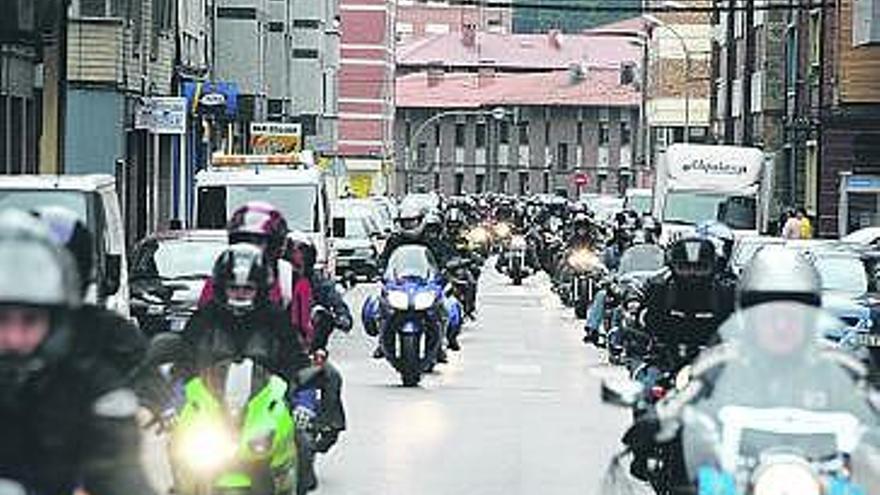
x=412, y=313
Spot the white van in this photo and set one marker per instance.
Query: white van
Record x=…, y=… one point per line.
x=94, y=199
x=297, y=190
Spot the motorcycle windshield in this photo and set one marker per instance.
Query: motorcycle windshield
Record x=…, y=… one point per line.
x=236, y=382
x=777, y=390
x=411, y=261
x=642, y=258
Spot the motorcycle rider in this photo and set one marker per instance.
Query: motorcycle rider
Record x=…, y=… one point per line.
x=415, y=227
x=625, y=226
x=260, y=224
x=119, y=341
x=241, y=321
x=687, y=302
x=774, y=275
x=321, y=292
x=67, y=418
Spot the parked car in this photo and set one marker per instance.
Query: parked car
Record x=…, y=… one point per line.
x=168, y=271
x=357, y=245
x=845, y=294
x=868, y=236
x=745, y=247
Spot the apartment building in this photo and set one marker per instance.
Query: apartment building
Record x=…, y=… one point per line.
x=521, y=133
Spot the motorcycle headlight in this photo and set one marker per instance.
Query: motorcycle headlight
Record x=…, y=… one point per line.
x=478, y=235
x=423, y=300
x=785, y=477
x=206, y=447
x=262, y=444
x=502, y=230
x=518, y=242
x=398, y=299
x=583, y=260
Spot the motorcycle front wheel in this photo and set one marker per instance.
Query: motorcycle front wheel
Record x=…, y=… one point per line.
x=410, y=360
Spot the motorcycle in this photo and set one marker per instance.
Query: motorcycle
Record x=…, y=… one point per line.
x=410, y=314
x=517, y=259
x=585, y=272
x=463, y=276
x=234, y=430
x=808, y=428
x=637, y=264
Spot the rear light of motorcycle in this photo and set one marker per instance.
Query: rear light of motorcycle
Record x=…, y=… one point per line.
x=658, y=392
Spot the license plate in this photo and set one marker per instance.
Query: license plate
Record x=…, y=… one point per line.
x=869, y=340
x=177, y=324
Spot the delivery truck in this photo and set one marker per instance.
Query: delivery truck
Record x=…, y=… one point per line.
x=698, y=182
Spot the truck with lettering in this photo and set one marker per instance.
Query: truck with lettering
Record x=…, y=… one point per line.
x=699, y=182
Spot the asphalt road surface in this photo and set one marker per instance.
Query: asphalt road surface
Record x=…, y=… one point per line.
x=517, y=411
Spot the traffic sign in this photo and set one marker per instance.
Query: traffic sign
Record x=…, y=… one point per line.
x=581, y=179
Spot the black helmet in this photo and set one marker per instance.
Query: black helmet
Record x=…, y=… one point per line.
x=38, y=275
x=68, y=231
x=411, y=220
x=779, y=274
x=692, y=257
x=242, y=266
x=300, y=251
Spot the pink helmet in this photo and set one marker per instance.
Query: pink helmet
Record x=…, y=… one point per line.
x=258, y=222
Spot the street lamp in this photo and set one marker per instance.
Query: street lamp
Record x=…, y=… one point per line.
x=654, y=21
x=498, y=113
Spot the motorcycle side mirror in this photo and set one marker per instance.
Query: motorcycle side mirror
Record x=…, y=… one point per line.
x=622, y=392
x=166, y=348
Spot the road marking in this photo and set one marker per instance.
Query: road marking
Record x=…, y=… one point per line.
x=518, y=369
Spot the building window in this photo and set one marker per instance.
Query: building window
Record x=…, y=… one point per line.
x=523, y=133
x=815, y=37
x=431, y=28
x=791, y=59
x=562, y=156
x=306, y=23
x=504, y=133
x=422, y=155
x=580, y=133
x=547, y=133
x=625, y=134
x=437, y=181
x=305, y=53
x=502, y=182
x=459, y=184
x=241, y=13
x=437, y=135
x=459, y=135
x=604, y=134
x=524, y=183
x=546, y=188
x=866, y=22
x=93, y=8
x=480, y=184
x=481, y=135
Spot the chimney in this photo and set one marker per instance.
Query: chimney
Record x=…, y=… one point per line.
x=576, y=73
x=435, y=75
x=485, y=76
x=469, y=35
x=554, y=38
